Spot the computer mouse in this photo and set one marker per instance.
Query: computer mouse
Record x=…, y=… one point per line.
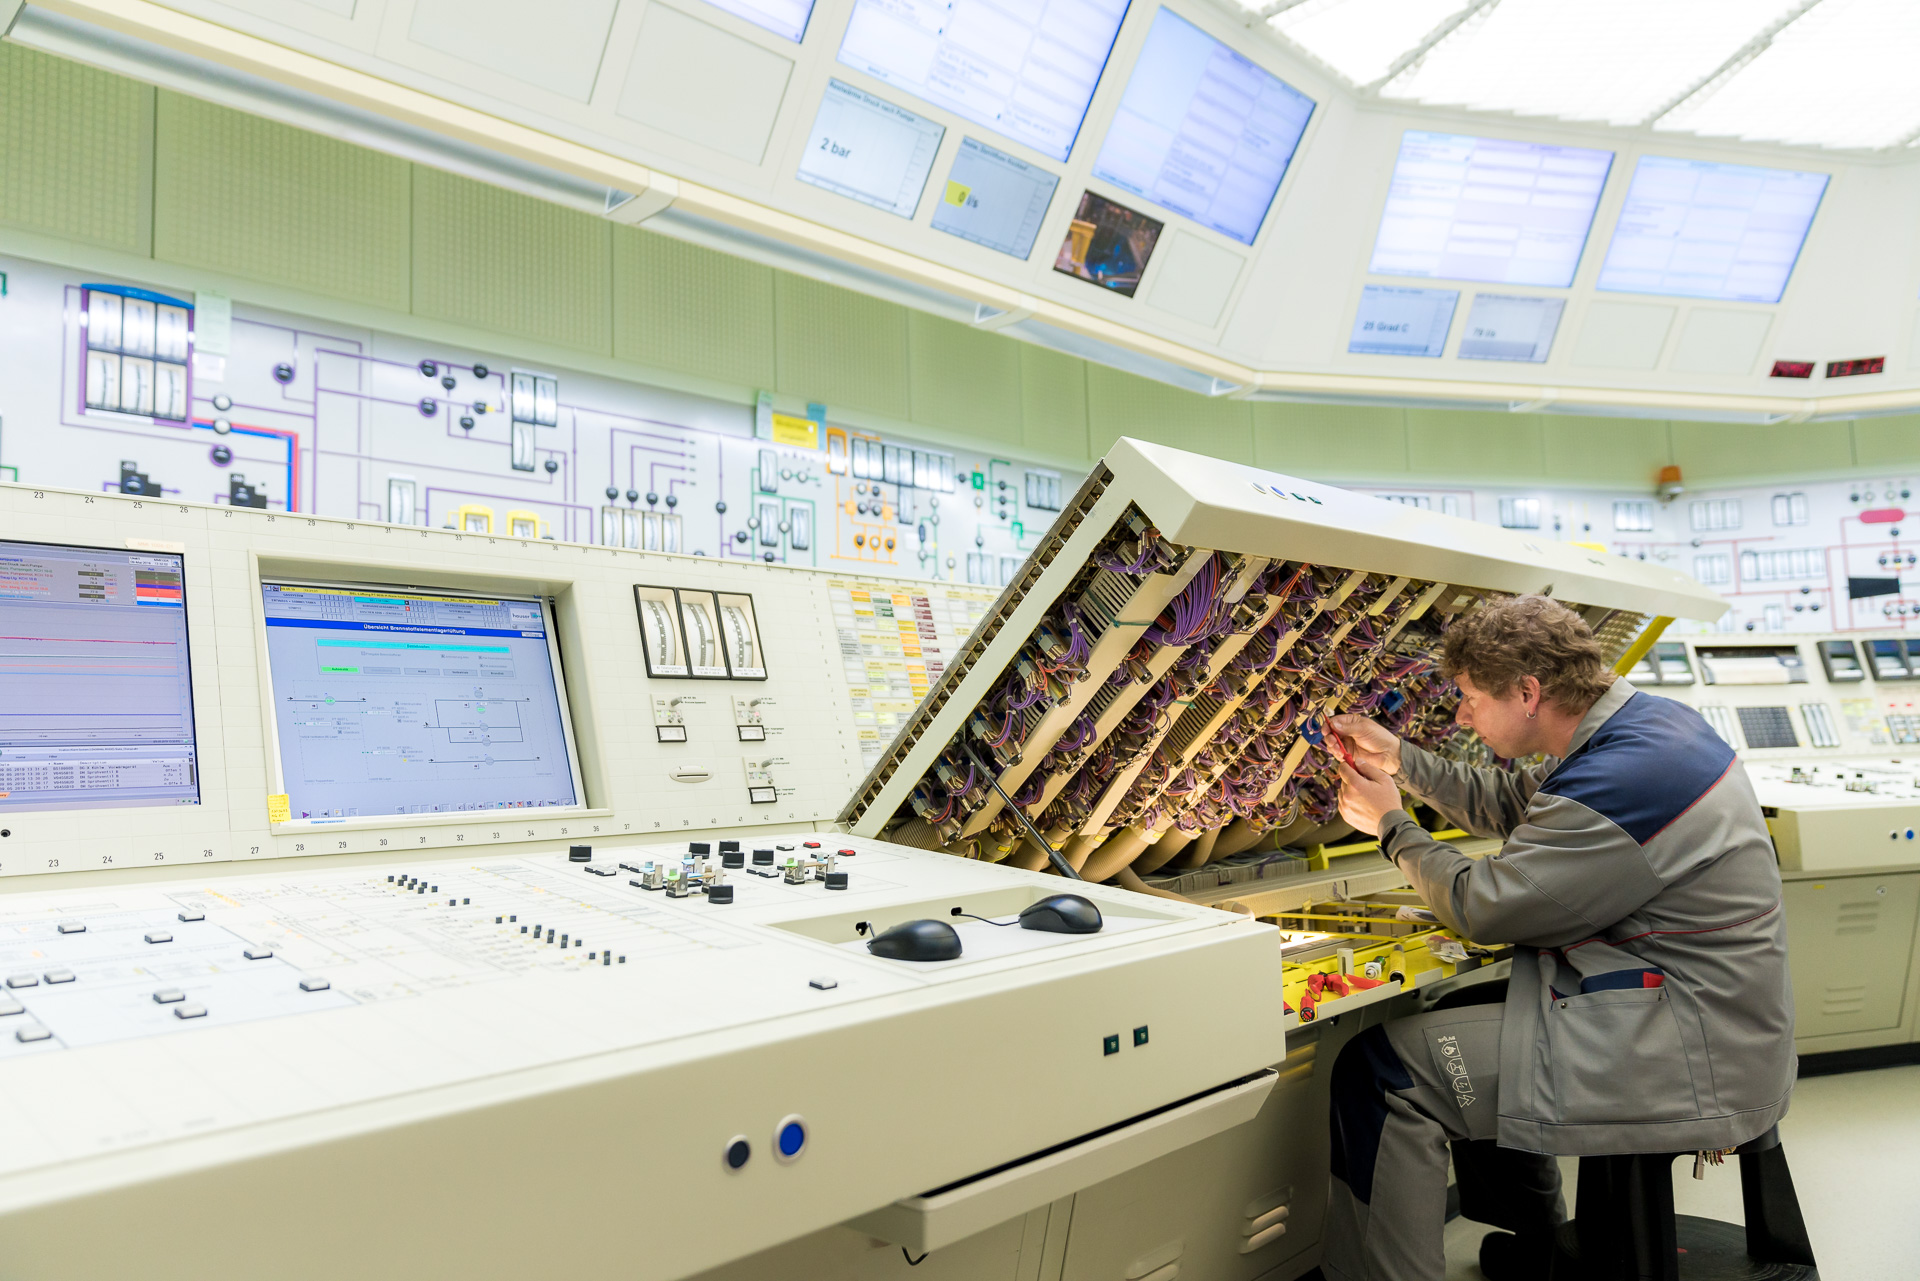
x=917, y=941
x=1062, y=914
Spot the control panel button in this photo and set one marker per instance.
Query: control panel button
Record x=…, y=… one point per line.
x=823, y=984
x=789, y=1139
x=580, y=853
x=257, y=953
x=72, y=927
x=737, y=1152
x=168, y=996
x=193, y=914
x=314, y=985
x=159, y=936
x=32, y=1032
x=10, y=1006
x=191, y=1010
x=23, y=980
x=58, y=976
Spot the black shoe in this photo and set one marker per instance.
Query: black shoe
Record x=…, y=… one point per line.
x=1506, y=1257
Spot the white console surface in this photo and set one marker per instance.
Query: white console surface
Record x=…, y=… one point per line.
x=436, y=990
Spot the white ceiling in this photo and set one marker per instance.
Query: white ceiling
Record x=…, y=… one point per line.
x=1824, y=73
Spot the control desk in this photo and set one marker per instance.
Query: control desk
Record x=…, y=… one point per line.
x=384, y=901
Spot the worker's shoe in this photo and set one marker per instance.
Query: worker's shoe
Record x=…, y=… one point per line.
x=1506, y=1257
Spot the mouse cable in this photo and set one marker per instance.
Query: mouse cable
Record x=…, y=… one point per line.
x=1054, y=856
x=911, y=1261
x=988, y=919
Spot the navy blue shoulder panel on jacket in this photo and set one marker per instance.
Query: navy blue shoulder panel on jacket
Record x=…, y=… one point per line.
x=1645, y=767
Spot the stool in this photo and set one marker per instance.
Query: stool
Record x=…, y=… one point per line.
x=1624, y=1227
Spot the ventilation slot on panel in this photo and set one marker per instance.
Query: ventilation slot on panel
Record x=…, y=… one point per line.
x=1858, y=918
x=1264, y=1220
x=1851, y=999
x=1767, y=727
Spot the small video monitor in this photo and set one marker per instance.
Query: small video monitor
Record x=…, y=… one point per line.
x=96, y=690
x=405, y=701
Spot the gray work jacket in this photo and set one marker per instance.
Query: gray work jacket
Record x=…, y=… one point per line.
x=1650, y=1008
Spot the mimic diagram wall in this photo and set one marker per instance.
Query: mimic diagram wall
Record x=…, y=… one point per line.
x=292, y=413
x=301, y=415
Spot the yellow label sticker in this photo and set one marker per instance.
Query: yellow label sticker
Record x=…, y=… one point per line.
x=957, y=194
x=279, y=808
x=791, y=429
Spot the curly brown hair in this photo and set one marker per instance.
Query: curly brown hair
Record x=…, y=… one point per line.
x=1504, y=640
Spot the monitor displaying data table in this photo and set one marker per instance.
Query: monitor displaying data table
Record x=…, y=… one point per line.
x=1701, y=229
x=1203, y=130
x=867, y=149
x=397, y=701
x=994, y=199
x=782, y=17
x=1402, y=322
x=96, y=691
x=1490, y=210
x=1024, y=68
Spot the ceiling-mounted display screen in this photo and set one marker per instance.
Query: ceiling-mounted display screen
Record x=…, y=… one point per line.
x=867, y=149
x=1026, y=70
x=782, y=17
x=1203, y=130
x=395, y=700
x=1108, y=244
x=1402, y=322
x=994, y=199
x=1510, y=327
x=1700, y=229
x=1486, y=209
x=96, y=692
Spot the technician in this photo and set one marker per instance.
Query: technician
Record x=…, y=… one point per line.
x=1649, y=1008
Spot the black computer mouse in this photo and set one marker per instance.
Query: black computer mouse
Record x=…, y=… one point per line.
x=917, y=941
x=1062, y=914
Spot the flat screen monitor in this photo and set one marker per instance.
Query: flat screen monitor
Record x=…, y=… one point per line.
x=1025, y=69
x=1203, y=130
x=1108, y=244
x=1486, y=209
x=1509, y=327
x=1701, y=229
x=782, y=17
x=1402, y=322
x=867, y=149
x=96, y=692
x=403, y=701
x=994, y=199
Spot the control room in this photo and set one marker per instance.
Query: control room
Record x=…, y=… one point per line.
x=967, y=640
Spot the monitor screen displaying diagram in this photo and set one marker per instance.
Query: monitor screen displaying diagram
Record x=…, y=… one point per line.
x=395, y=701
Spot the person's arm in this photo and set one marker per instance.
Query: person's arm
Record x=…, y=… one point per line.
x=1565, y=873
x=1483, y=801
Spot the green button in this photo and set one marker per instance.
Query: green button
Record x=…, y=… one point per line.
x=1112, y=1044
x=1140, y=1035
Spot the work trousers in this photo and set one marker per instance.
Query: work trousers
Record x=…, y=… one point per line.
x=1402, y=1093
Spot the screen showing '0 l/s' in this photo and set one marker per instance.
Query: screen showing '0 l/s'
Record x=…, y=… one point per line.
x=96, y=697
x=402, y=702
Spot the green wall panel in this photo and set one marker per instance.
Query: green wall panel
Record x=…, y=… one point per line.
x=244, y=196
x=1053, y=403
x=1454, y=444
x=506, y=262
x=1608, y=452
x=76, y=151
x=843, y=349
x=1330, y=442
x=964, y=380
x=683, y=307
x=1889, y=443
x=1734, y=453
x=1126, y=405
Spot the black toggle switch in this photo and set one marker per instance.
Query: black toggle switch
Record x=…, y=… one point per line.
x=699, y=847
x=763, y=858
x=836, y=880
x=720, y=894
x=580, y=854
x=733, y=858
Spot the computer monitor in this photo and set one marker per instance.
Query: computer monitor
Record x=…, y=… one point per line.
x=404, y=701
x=96, y=689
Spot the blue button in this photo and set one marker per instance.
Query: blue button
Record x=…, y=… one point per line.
x=1909, y=833
x=790, y=1138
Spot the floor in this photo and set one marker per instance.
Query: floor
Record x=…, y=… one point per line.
x=1853, y=1142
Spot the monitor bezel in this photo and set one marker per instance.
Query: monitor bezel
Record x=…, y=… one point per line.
x=193, y=702
x=277, y=770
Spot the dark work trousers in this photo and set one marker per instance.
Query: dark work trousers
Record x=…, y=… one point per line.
x=1403, y=1092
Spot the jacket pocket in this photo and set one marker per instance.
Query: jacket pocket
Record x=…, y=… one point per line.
x=1617, y=1057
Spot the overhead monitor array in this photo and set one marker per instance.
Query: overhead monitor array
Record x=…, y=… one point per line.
x=1500, y=212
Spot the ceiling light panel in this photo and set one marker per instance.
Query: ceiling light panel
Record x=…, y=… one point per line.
x=1617, y=61
x=1361, y=38
x=1842, y=76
